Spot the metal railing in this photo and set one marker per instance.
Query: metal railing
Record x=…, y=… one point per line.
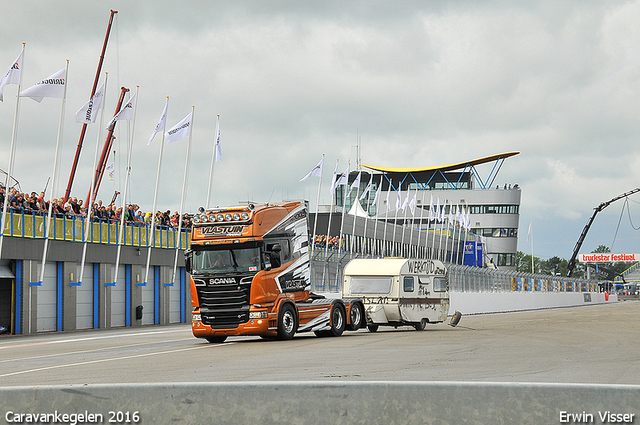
x=327, y=268
x=72, y=229
x=474, y=279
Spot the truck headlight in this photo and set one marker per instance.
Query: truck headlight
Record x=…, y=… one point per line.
x=257, y=315
x=196, y=317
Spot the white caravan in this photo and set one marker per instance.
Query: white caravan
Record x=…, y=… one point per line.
x=399, y=292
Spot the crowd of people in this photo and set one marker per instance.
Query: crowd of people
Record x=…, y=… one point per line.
x=321, y=242
x=32, y=203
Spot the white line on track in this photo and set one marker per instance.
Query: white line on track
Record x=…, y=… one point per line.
x=62, y=341
x=111, y=359
x=113, y=347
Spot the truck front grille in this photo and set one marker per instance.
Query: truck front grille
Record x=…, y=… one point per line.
x=226, y=305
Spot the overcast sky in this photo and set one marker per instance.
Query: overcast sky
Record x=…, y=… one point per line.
x=420, y=83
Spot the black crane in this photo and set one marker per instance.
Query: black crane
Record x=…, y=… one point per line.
x=572, y=263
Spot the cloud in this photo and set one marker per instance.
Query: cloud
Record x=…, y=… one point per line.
x=422, y=84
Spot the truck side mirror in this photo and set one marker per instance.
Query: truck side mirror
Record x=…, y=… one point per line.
x=188, y=259
x=276, y=261
x=267, y=261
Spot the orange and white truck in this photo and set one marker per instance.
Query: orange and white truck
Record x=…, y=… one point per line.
x=250, y=275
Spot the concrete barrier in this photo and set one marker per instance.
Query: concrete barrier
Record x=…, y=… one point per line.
x=324, y=403
x=499, y=302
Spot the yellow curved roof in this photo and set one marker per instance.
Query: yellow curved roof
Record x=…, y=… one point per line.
x=449, y=167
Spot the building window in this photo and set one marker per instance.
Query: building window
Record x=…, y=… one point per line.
x=505, y=259
x=495, y=232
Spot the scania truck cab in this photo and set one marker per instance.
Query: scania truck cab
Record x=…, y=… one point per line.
x=249, y=271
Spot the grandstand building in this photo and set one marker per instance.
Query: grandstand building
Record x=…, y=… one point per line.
x=493, y=208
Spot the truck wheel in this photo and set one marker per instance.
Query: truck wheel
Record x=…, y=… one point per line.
x=287, y=323
x=216, y=339
x=338, y=324
x=338, y=320
x=372, y=328
x=421, y=325
x=356, y=317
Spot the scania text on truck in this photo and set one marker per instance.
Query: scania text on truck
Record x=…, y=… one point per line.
x=250, y=275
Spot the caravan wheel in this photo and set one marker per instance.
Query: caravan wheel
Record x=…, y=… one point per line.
x=420, y=326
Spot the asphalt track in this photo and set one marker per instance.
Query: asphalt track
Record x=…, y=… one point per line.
x=597, y=344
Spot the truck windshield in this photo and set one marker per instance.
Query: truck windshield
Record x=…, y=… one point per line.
x=226, y=260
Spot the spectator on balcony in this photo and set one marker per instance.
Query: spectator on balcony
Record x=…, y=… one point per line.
x=43, y=206
x=15, y=202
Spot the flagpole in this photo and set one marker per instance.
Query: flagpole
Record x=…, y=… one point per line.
x=446, y=242
x=466, y=228
x=533, y=270
x=366, y=217
x=315, y=219
x=53, y=179
x=126, y=186
x=151, y=239
x=395, y=221
x=355, y=215
x=457, y=248
x=386, y=219
x=404, y=224
x=435, y=221
x=344, y=207
x=326, y=246
x=184, y=190
x=375, y=227
x=441, y=219
x=413, y=217
x=91, y=199
x=214, y=159
x=420, y=223
x=12, y=152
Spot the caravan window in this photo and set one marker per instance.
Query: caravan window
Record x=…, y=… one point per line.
x=439, y=284
x=408, y=284
x=371, y=284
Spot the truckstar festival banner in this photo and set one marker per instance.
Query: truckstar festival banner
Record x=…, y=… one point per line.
x=607, y=257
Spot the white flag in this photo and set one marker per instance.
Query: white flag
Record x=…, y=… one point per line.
x=463, y=218
x=161, y=123
x=88, y=113
x=125, y=112
x=406, y=201
x=333, y=180
x=529, y=232
x=388, y=191
x=341, y=180
x=431, y=208
x=356, y=183
x=218, y=149
x=438, y=213
x=49, y=87
x=399, y=199
x=450, y=212
x=316, y=172
x=366, y=189
x=12, y=76
x=412, y=204
x=180, y=130
x=375, y=198
x=467, y=220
